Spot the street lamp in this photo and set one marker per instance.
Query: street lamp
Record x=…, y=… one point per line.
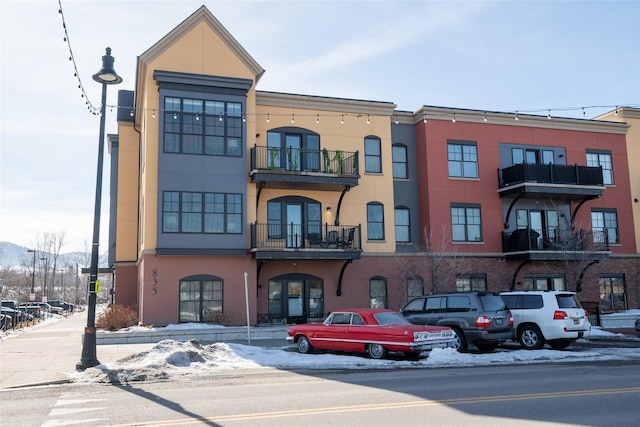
x=44, y=288
x=106, y=76
x=62, y=282
x=33, y=276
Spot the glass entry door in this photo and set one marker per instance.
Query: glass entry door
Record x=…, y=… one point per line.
x=294, y=226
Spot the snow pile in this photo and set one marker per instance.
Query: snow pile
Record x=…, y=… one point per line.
x=170, y=359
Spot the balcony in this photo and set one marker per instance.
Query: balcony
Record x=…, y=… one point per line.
x=550, y=181
x=305, y=241
x=294, y=168
x=555, y=245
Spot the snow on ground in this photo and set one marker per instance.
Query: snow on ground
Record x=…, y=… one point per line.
x=170, y=359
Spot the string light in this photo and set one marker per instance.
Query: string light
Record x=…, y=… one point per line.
x=424, y=118
x=396, y=120
x=368, y=119
x=517, y=116
x=267, y=118
x=549, y=114
x=153, y=114
x=616, y=113
x=293, y=118
x=485, y=117
x=453, y=119
x=342, y=119
x=317, y=118
x=67, y=41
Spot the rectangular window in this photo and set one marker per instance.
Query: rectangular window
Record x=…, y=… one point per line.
x=399, y=158
x=402, y=225
x=466, y=224
x=544, y=283
x=372, y=155
x=375, y=221
x=613, y=296
x=190, y=212
x=195, y=126
x=415, y=288
x=604, y=224
x=602, y=158
x=471, y=282
x=463, y=159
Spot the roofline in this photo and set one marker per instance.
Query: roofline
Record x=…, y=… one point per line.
x=290, y=100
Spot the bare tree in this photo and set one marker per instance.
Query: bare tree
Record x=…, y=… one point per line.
x=437, y=265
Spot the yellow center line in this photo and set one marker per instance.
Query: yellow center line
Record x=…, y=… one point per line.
x=382, y=406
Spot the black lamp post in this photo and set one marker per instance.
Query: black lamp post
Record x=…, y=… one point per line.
x=33, y=274
x=106, y=76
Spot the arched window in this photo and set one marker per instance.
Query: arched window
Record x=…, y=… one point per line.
x=378, y=292
x=375, y=221
x=201, y=299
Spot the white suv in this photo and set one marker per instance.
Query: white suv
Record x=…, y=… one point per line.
x=554, y=317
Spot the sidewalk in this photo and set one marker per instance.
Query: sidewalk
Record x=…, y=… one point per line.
x=44, y=354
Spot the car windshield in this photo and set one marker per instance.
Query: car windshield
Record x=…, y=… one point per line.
x=492, y=302
x=389, y=318
x=567, y=301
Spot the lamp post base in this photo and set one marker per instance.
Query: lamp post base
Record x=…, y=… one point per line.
x=89, y=358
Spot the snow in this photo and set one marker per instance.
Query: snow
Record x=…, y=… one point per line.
x=171, y=359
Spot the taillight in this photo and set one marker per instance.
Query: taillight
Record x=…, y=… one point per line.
x=483, y=322
x=511, y=320
x=559, y=315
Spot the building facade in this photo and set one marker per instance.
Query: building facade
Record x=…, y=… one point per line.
x=226, y=198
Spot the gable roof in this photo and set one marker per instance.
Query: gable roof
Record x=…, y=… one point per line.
x=201, y=15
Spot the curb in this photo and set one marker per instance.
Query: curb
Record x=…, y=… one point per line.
x=207, y=336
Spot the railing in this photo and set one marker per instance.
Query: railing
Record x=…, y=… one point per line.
x=550, y=174
x=554, y=239
x=305, y=236
x=304, y=160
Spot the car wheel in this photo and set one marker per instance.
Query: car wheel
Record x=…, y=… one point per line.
x=304, y=346
x=530, y=337
x=486, y=348
x=461, y=341
x=377, y=351
x=559, y=344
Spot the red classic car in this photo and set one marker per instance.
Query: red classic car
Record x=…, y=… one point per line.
x=374, y=331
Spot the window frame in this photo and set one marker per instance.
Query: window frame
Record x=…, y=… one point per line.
x=476, y=282
x=232, y=212
x=372, y=225
x=467, y=207
x=194, y=125
x=371, y=158
x=603, y=159
x=607, y=283
x=400, y=162
x=462, y=162
x=402, y=227
x=606, y=224
x=379, y=298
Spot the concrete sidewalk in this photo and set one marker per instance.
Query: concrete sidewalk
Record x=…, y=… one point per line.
x=48, y=352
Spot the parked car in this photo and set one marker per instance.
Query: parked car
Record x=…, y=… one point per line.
x=554, y=317
x=6, y=322
x=638, y=324
x=372, y=331
x=66, y=306
x=478, y=318
x=46, y=307
x=32, y=309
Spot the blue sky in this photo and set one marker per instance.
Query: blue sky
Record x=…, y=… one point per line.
x=486, y=55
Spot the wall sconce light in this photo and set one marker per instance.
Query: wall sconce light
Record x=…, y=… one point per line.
x=328, y=208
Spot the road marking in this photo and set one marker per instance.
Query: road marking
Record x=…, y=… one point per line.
x=383, y=406
x=62, y=409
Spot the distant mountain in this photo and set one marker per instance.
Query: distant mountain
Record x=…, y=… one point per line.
x=12, y=255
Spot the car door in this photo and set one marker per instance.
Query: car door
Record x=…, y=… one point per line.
x=334, y=335
x=435, y=310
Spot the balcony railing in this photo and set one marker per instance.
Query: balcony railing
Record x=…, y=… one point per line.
x=550, y=174
x=302, y=160
x=555, y=240
x=305, y=237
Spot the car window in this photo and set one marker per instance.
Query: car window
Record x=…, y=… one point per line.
x=532, y=302
x=436, y=304
x=389, y=318
x=357, y=320
x=491, y=302
x=567, y=301
x=415, y=305
x=458, y=303
x=341, y=319
x=513, y=302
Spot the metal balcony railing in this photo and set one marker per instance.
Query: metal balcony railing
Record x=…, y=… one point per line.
x=550, y=174
x=304, y=160
x=554, y=239
x=305, y=236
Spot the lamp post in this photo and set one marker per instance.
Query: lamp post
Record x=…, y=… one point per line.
x=33, y=276
x=44, y=288
x=106, y=76
x=62, y=283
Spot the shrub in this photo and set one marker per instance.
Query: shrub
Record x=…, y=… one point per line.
x=117, y=317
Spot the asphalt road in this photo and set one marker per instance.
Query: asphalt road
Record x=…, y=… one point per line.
x=585, y=394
